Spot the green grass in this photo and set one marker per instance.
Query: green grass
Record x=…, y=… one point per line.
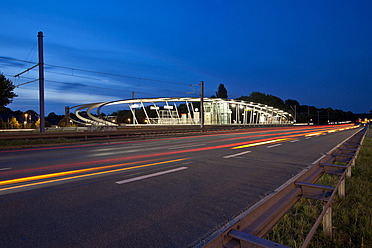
x=25, y=143
x=351, y=218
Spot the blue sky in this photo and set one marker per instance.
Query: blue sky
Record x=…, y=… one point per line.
x=317, y=52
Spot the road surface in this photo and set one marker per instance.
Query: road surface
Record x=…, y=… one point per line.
x=170, y=192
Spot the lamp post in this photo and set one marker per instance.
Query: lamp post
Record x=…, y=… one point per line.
x=25, y=122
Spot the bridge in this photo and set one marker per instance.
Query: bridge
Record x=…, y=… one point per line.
x=185, y=111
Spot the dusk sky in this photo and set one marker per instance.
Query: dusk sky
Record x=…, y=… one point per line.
x=316, y=52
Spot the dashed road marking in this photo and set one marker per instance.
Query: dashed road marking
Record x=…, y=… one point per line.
x=274, y=145
x=237, y=154
x=151, y=175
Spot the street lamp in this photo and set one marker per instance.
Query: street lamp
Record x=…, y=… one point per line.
x=25, y=122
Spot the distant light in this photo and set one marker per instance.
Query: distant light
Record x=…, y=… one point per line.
x=233, y=105
x=154, y=108
x=168, y=107
x=135, y=106
x=196, y=109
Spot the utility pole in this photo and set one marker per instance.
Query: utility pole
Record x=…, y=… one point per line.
x=201, y=104
x=67, y=115
x=134, y=110
x=41, y=82
x=295, y=113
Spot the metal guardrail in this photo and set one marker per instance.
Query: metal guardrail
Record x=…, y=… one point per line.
x=131, y=132
x=249, y=228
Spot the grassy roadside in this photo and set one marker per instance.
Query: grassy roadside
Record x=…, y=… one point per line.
x=27, y=143
x=352, y=216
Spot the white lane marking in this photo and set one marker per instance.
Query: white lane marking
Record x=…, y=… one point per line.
x=121, y=152
x=293, y=141
x=237, y=154
x=308, y=138
x=274, y=145
x=316, y=161
x=151, y=175
x=5, y=169
x=184, y=146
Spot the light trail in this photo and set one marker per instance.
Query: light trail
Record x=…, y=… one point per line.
x=259, y=143
x=65, y=173
x=27, y=179
x=313, y=134
x=265, y=130
x=135, y=157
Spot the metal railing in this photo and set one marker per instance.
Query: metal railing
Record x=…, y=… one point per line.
x=249, y=228
x=128, y=132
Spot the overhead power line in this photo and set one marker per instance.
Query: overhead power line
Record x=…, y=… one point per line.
x=27, y=82
x=116, y=75
x=87, y=86
x=97, y=72
x=18, y=60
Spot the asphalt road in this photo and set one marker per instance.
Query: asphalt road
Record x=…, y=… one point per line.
x=171, y=192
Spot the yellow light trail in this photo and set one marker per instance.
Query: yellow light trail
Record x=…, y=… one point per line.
x=26, y=179
x=313, y=134
x=259, y=143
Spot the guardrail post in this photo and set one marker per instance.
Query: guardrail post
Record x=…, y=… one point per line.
x=341, y=188
x=348, y=171
x=327, y=221
x=353, y=162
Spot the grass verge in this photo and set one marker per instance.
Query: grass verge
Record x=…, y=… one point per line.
x=351, y=218
x=26, y=143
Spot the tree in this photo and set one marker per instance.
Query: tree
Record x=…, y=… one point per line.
x=221, y=92
x=14, y=123
x=6, y=91
x=54, y=119
x=37, y=123
x=263, y=98
x=291, y=103
x=2, y=124
x=63, y=123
